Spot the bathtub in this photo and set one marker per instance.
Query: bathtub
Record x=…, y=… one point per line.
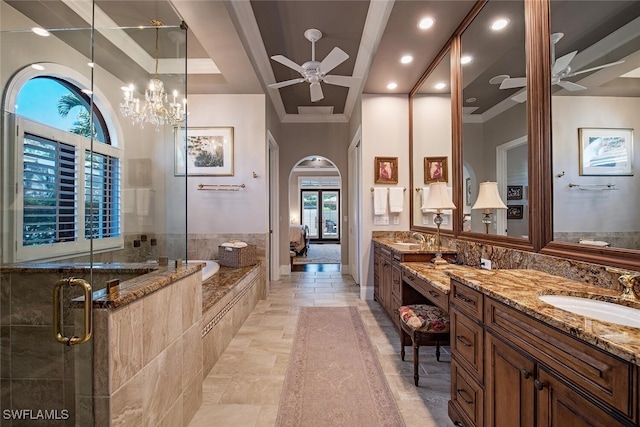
x=211, y=267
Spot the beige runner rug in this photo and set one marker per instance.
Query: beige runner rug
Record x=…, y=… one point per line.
x=334, y=377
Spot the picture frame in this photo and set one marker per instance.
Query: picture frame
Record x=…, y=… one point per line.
x=515, y=211
x=514, y=192
x=604, y=151
x=386, y=170
x=435, y=170
x=204, y=151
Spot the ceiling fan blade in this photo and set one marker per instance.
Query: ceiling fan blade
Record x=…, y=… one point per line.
x=316, y=92
x=286, y=83
x=341, y=80
x=570, y=86
x=562, y=62
x=511, y=83
x=520, y=97
x=288, y=63
x=595, y=68
x=336, y=57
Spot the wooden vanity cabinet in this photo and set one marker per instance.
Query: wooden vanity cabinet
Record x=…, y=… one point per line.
x=387, y=277
x=532, y=374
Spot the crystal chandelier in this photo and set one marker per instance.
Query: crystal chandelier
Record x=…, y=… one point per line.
x=155, y=109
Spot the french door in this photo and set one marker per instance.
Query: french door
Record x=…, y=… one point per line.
x=320, y=211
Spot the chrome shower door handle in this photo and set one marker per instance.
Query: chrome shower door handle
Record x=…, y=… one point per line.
x=58, y=333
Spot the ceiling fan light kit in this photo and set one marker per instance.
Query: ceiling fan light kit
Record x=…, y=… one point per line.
x=560, y=69
x=314, y=72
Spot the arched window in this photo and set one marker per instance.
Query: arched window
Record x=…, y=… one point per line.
x=69, y=182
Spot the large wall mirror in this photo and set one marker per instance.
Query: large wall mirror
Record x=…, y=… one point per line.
x=431, y=140
x=494, y=122
x=595, y=87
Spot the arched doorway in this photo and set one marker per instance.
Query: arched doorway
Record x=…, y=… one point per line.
x=315, y=210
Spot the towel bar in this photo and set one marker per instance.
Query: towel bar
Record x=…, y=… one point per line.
x=371, y=189
x=221, y=187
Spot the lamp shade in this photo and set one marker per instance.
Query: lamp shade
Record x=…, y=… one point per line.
x=488, y=197
x=438, y=197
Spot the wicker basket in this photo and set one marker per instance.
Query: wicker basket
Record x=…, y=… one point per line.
x=237, y=257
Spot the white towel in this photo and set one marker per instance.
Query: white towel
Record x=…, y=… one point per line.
x=143, y=200
x=425, y=193
x=600, y=243
x=234, y=244
x=128, y=200
x=396, y=199
x=379, y=201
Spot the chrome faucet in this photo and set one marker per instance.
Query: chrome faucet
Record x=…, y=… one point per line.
x=419, y=237
x=628, y=281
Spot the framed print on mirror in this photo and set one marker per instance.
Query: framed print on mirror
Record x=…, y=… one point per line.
x=606, y=151
x=435, y=169
x=386, y=170
x=204, y=151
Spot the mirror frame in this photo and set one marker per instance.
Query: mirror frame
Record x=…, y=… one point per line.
x=538, y=72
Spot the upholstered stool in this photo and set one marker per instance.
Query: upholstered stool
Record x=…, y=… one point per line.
x=292, y=255
x=424, y=325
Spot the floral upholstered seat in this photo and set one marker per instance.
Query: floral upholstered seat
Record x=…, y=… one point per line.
x=424, y=325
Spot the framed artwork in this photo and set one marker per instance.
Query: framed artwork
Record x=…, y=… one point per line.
x=435, y=169
x=514, y=212
x=606, y=151
x=386, y=170
x=204, y=151
x=514, y=192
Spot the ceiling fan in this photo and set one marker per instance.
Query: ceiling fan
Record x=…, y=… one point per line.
x=315, y=72
x=560, y=69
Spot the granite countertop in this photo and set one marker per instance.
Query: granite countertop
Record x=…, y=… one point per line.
x=393, y=245
x=520, y=289
x=435, y=275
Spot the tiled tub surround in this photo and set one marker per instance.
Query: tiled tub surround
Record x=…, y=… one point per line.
x=228, y=299
x=147, y=344
x=506, y=258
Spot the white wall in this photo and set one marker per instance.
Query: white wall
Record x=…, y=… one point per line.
x=385, y=132
x=241, y=211
x=576, y=210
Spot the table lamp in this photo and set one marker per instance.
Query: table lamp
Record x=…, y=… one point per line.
x=438, y=199
x=488, y=198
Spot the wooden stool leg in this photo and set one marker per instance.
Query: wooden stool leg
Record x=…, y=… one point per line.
x=402, y=335
x=437, y=350
x=416, y=348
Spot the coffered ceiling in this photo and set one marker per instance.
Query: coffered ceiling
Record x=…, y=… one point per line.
x=229, y=44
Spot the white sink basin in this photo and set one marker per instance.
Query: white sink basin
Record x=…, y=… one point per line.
x=600, y=310
x=408, y=245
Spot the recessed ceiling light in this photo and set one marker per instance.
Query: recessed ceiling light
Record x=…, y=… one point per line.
x=440, y=86
x=466, y=59
x=426, y=23
x=37, y=67
x=41, y=31
x=471, y=100
x=392, y=85
x=91, y=64
x=406, y=59
x=499, y=24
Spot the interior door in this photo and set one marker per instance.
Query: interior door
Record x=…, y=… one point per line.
x=320, y=211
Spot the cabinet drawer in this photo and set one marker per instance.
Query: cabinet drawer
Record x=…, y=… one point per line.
x=467, y=342
x=469, y=300
x=467, y=396
x=435, y=295
x=600, y=374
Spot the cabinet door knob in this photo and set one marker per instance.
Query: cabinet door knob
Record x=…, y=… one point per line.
x=539, y=385
x=526, y=374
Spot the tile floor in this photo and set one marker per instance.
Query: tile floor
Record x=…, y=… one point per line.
x=243, y=389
